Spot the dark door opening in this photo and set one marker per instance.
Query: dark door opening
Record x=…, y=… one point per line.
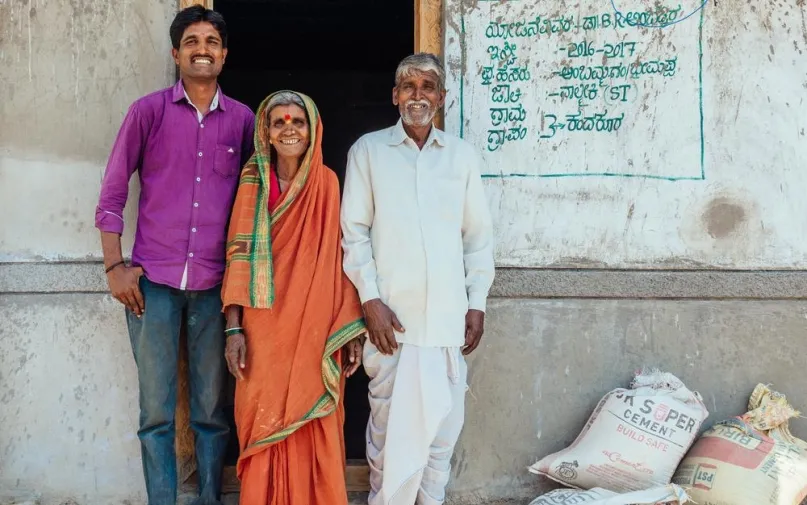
x=341, y=53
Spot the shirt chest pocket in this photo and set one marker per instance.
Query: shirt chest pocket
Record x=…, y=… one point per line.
x=227, y=162
x=448, y=197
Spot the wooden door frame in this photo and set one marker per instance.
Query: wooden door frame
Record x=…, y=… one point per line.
x=428, y=19
x=428, y=23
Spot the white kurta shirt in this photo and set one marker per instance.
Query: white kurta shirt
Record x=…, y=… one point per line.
x=417, y=231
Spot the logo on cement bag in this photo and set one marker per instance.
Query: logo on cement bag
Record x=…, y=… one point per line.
x=567, y=470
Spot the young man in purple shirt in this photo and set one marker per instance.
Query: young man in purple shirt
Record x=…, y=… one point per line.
x=187, y=144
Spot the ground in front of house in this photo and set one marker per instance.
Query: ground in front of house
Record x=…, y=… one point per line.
x=355, y=499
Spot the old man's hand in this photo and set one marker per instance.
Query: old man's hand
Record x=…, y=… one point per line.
x=474, y=328
x=381, y=322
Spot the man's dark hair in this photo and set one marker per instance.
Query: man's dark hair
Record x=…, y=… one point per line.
x=197, y=14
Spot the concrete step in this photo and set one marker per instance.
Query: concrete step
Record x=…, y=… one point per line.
x=357, y=498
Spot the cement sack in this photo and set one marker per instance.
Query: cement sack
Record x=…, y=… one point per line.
x=748, y=460
x=633, y=440
x=667, y=495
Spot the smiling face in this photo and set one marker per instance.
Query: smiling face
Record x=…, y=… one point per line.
x=418, y=97
x=201, y=53
x=289, y=131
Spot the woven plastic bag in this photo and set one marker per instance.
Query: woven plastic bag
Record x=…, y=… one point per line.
x=633, y=440
x=748, y=460
x=666, y=495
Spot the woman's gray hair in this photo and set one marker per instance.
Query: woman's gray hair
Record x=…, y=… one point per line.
x=420, y=63
x=284, y=98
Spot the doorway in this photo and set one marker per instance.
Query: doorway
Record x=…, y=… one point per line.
x=341, y=53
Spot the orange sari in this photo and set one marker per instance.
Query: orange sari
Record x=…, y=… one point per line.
x=284, y=267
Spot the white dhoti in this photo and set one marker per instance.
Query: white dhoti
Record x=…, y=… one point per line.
x=417, y=403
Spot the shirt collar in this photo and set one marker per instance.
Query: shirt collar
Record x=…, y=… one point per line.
x=398, y=135
x=179, y=93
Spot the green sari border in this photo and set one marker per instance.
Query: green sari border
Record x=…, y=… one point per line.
x=326, y=404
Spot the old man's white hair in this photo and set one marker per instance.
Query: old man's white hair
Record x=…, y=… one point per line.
x=420, y=63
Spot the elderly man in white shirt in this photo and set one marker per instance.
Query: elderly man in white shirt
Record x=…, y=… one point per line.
x=418, y=245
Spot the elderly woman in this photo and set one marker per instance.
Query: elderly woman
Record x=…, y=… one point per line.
x=293, y=318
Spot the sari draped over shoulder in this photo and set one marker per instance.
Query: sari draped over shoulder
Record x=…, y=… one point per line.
x=284, y=267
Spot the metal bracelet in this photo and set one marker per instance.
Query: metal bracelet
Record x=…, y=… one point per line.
x=233, y=331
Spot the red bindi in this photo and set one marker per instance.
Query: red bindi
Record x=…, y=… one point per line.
x=287, y=117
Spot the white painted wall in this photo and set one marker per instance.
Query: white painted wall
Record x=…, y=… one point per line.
x=640, y=195
x=70, y=72
x=54, y=220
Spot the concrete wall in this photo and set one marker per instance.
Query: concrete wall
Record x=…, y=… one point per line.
x=68, y=400
x=68, y=390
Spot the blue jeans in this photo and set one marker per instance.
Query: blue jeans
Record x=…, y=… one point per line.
x=155, y=343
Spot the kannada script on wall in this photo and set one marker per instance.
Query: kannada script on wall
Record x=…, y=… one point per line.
x=568, y=92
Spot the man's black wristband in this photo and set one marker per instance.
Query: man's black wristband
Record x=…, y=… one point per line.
x=112, y=267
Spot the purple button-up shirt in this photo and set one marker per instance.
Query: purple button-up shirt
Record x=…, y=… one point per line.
x=188, y=173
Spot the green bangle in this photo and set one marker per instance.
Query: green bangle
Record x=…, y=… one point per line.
x=233, y=331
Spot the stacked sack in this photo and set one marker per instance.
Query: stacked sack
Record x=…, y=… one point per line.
x=749, y=460
x=633, y=441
